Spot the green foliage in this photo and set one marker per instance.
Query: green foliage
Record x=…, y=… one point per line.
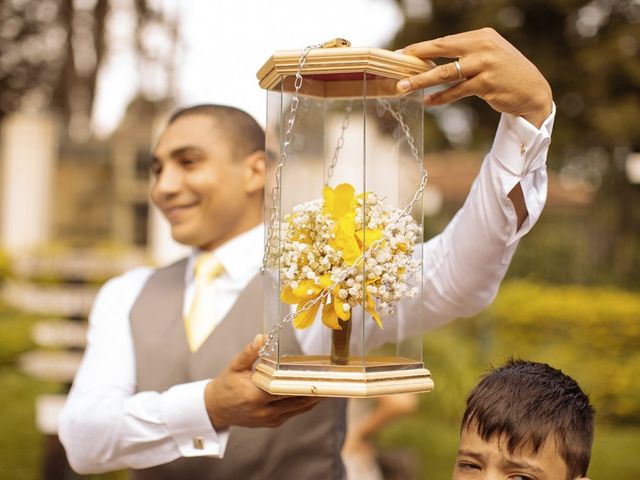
x=20, y=442
x=591, y=333
x=15, y=334
x=5, y=265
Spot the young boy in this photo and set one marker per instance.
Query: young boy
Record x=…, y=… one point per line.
x=525, y=421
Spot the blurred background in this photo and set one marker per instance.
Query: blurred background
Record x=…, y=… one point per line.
x=85, y=84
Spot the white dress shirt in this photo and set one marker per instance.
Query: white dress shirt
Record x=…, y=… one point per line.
x=106, y=426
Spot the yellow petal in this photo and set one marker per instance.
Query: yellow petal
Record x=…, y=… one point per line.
x=328, y=195
x=347, y=224
x=288, y=296
x=343, y=202
x=351, y=251
x=306, y=318
x=306, y=289
x=337, y=307
x=329, y=317
x=325, y=280
x=367, y=237
x=371, y=308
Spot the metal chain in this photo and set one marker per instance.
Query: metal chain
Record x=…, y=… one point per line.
x=339, y=144
x=271, y=342
x=275, y=191
x=385, y=105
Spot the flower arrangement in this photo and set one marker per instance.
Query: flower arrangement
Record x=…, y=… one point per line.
x=322, y=242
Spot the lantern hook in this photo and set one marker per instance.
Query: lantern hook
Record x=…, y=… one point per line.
x=336, y=43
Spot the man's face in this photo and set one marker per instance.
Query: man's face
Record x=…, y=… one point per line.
x=207, y=196
x=481, y=460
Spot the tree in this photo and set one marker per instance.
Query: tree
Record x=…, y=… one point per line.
x=588, y=51
x=51, y=52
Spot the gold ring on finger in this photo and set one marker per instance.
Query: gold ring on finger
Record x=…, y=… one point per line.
x=458, y=68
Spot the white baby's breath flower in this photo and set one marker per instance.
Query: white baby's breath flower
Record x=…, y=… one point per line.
x=309, y=250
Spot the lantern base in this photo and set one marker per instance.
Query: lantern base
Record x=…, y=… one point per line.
x=315, y=376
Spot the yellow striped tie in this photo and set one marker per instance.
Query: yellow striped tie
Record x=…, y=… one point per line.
x=201, y=318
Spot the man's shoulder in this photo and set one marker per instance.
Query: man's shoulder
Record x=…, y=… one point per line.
x=143, y=272
x=134, y=279
x=131, y=278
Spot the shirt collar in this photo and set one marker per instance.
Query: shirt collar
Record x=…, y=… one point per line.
x=240, y=256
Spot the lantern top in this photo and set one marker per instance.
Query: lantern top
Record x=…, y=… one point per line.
x=339, y=63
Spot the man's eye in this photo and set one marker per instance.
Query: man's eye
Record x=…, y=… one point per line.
x=187, y=162
x=519, y=476
x=155, y=170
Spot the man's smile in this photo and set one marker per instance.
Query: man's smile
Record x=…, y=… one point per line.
x=174, y=212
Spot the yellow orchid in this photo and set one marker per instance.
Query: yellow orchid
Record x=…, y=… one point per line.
x=352, y=241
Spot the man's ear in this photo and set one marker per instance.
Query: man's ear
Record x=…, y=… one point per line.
x=255, y=171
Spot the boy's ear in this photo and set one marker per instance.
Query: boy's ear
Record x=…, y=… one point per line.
x=255, y=168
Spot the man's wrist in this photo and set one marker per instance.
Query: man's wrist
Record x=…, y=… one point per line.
x=210, y=404
x=545, y=106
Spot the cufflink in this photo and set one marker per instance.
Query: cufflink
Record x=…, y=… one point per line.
x=523, y=147
x=198, y=443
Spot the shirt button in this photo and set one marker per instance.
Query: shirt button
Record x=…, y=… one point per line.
x=523, y=147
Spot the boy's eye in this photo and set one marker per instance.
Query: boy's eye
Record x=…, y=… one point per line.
x=466, y=465
x=520, y=477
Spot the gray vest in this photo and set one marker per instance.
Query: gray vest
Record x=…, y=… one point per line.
x=305, y=447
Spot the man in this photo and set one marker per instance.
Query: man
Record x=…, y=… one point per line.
x=525, y=420
x=154, y=395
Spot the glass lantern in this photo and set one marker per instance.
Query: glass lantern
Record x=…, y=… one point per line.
x=343, y=220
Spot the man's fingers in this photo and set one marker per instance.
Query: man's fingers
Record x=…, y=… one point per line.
x=451, y=46
x=284, y=416
x=456, y=92
x=292, y=404
x=445, y=73
x=432, y=49
x=246, y=358
x=282, y=410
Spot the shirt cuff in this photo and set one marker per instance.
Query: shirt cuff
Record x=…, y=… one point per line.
x=521, y=148
x=185, y=415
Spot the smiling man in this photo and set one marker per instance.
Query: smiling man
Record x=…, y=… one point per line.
x=525, y=421
x=208, y=182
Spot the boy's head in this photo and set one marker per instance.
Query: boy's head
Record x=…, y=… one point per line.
x=525, y=420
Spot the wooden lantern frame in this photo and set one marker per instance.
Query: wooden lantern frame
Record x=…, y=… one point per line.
x=340, y=71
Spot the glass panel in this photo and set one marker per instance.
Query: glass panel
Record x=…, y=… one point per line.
x=394, y=152
x=272, y=306
x=365, y=147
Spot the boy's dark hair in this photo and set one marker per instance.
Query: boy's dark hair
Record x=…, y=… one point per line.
x=244, y=134
x=526, y=403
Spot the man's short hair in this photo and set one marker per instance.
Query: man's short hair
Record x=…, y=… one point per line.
x=527, y=403
x=245, y=135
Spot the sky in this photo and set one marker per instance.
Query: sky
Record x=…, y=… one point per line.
x=225, y=42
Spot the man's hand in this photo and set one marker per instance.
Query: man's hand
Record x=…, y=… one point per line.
x=488, y=67
x=233, y=399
